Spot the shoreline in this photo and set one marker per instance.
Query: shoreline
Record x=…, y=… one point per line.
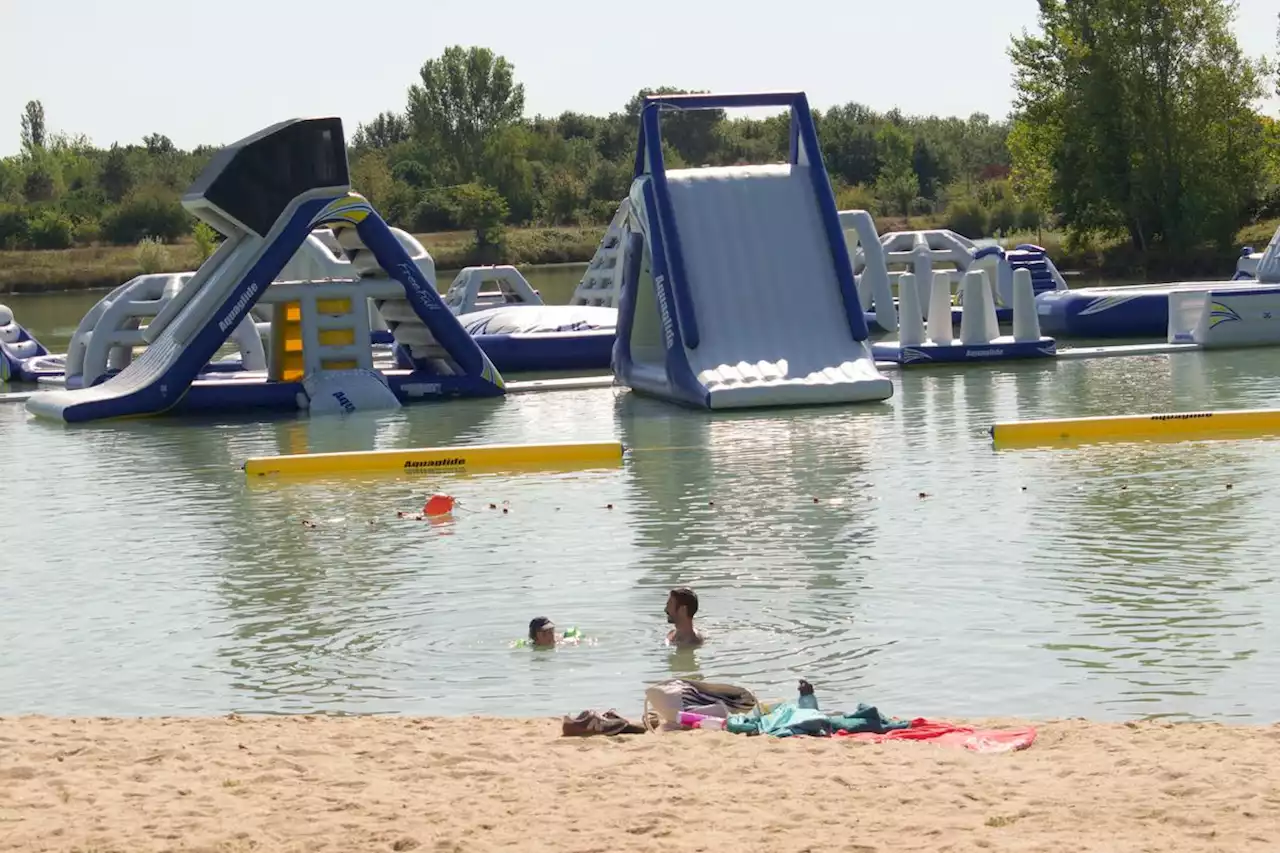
x=105, y=267
x=357, y=783
x=75, y=270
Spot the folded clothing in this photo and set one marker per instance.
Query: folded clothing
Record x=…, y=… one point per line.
x=804, y=718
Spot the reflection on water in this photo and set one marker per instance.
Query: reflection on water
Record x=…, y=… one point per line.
x=1155, y=555
x=885, y=552
x=769, y=518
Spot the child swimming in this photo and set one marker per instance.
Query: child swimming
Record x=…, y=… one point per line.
x=542, y=635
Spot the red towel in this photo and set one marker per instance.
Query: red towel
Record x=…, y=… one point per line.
x=976, y=740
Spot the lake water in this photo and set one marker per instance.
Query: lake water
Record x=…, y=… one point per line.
x=141, y=574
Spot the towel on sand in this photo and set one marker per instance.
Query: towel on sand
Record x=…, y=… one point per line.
x=803, y=717
x=948, y=734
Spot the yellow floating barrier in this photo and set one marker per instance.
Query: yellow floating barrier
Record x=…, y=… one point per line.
x=1173, y=426
x=437, y=460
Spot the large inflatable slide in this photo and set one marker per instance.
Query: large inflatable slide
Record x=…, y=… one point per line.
x=266, y=194
x=737, y=287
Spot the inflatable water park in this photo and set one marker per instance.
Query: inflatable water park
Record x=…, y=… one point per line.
x=1143, y=311
x=715, y=287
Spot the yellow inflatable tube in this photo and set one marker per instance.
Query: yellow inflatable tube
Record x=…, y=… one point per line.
x=1173, y=426
x=431, y=460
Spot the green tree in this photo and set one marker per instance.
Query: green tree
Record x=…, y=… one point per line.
x=692, y=132
x=1145, y=112
x=116, y=177
x=33, y=127
x=896, y=181
x=40, y=183
x=464, y=97
x=158, y=145
x=1032, y=171
x=386, y=130
x=482, y=210
x=848, y=139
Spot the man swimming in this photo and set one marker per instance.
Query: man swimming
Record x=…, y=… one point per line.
x=682, y=605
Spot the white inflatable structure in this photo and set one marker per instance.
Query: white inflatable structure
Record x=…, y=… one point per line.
x=515, y=308
x=939, y=250
x=1226, y=315
x=601, y=281
x=1263, y=266
x=867, y=252
x=466, y=293
x=107, y=336
x=737, y=287
x=17, y=344
x=132, y=316
x=980, y=339
x=345, y=392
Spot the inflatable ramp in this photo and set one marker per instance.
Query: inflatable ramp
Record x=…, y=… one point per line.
x=266, y=193
x=737, y=288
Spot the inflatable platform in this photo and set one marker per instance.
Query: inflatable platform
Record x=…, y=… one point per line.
x=266, y=194
x=519, y=332
x=1142, y=311
x=881, y=262
x=737, y=287
x=18, y=349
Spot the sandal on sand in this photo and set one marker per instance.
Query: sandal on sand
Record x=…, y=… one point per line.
x=591, y=723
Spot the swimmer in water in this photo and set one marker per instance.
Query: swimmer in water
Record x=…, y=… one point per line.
x=542, y=634
x=682, y=605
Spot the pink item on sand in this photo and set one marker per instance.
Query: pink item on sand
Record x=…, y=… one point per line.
x=966, y=737
x=700, y=721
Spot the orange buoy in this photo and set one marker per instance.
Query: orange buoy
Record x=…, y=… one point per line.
x=438, y=504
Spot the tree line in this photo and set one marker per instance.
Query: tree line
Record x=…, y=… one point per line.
x=1130, y=118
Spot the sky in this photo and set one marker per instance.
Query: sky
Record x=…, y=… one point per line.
x=210, y=73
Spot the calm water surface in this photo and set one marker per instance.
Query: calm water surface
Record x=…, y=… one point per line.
x=141, y=574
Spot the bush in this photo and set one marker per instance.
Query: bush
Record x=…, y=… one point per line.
x=921, y=206
x=966, y=216
x=398, y=205
x=1002, y=217
x=412, y=173
x=1030, y=217
x=856, y=197
x=13, y=227
x=482, y=210
x=601, y=211
x=87, y=231
x=206, y=240
x=436, y=211
x=50, y=229
x=152, y=255
x=146, y=215
x=1268, y=204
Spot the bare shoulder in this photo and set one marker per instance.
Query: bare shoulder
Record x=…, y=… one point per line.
x=674, y=639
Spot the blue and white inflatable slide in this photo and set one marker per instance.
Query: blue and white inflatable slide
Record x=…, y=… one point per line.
x=737, y=289
x=266, y=193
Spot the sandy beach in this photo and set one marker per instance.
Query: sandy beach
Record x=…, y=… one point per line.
x=230, y=784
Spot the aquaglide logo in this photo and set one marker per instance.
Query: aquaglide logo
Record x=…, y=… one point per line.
x=451, y=462
x=237, y=309
x=668, y=326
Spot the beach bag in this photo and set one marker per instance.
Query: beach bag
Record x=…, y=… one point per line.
x=664, y=701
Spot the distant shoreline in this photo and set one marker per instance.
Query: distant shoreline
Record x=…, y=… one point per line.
x=106, y=267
